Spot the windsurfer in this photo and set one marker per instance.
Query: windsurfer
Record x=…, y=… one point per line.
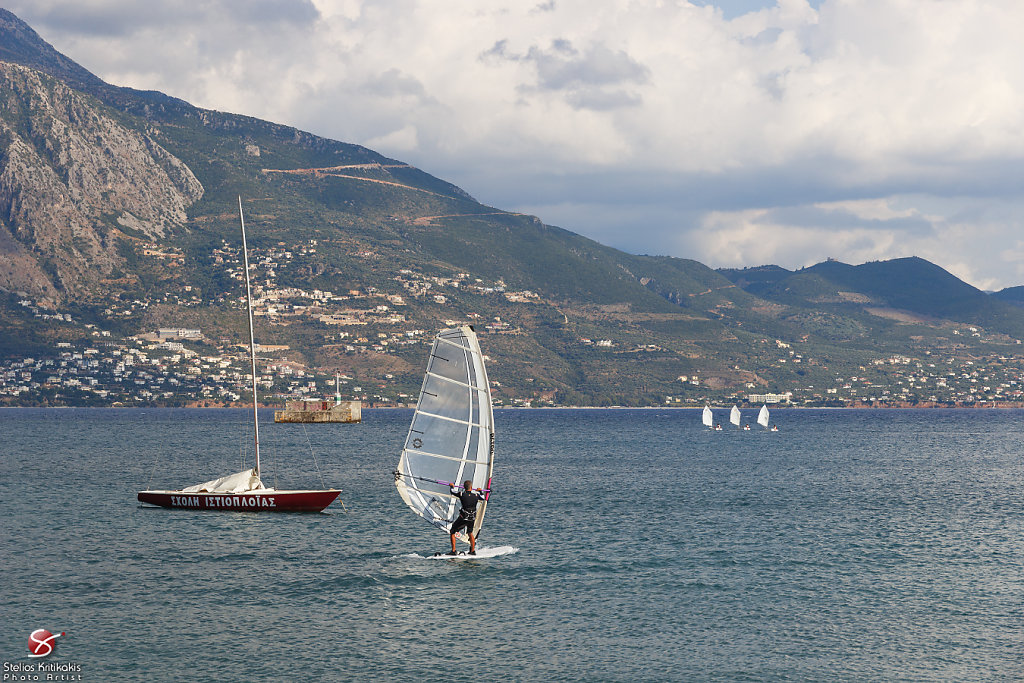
x=467, y=515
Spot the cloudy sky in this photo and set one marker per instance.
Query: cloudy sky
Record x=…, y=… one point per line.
x=734, y=132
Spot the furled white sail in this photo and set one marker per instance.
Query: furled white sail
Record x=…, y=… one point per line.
x=707, y=418
x=734, y=416
x=762, y=417
x=451, y=438
x=239, y=482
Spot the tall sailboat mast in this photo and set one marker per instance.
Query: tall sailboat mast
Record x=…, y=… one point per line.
x=252, y=338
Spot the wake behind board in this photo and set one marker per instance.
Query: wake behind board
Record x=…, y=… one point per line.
x=481, y=553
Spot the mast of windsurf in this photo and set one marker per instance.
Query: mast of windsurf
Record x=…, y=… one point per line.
x=252, y=339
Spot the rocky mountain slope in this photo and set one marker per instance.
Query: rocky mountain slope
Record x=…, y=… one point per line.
x=72, y=172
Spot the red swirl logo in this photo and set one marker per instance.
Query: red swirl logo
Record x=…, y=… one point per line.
x=40, y=642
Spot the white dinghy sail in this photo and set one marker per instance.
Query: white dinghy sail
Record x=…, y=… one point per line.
x=707, y=417
x=451, y=438
x=762, y=417
x=734, y=416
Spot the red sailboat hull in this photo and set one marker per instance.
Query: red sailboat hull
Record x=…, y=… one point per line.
x=250, y=501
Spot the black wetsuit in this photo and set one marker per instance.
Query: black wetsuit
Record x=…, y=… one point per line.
x=467, y=515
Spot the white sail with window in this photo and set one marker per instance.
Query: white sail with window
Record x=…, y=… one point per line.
x=451, y=438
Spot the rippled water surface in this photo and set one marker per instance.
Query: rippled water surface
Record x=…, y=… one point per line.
x=850, y=545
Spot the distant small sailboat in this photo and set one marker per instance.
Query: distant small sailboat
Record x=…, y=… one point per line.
x=707, y=418
x=734, y=416
x=762, y=417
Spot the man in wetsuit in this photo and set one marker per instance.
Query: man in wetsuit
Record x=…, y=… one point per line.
x=467, y=515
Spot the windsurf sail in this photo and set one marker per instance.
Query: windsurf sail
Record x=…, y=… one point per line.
x=451, y=438
x=707, y=418
x=734, y=416
x=762, y=417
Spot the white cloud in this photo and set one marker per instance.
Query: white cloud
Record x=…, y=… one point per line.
x=405, y=139
x=971, y=239
x=858, y=130
x=872, y=209
x=740, y=238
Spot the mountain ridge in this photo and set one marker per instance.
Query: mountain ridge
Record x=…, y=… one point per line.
x=909, y=284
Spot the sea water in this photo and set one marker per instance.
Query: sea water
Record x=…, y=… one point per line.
x=848, y=546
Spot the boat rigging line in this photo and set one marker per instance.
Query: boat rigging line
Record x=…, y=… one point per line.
x=310, y=444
